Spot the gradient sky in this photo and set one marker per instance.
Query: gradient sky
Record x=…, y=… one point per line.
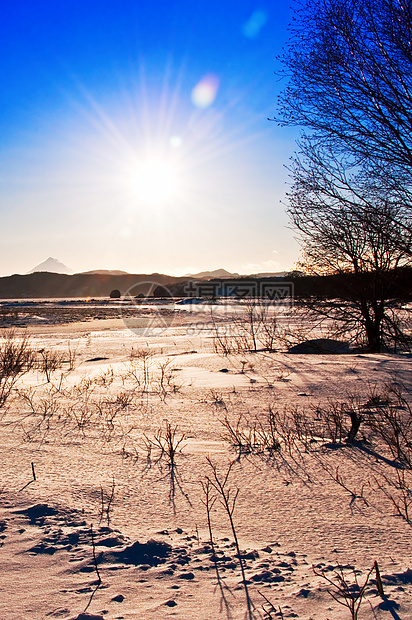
x=134, y=136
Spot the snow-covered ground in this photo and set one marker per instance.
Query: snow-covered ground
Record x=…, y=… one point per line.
x=104, y=489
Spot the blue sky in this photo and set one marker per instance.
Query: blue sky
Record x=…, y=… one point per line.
x=134, y=135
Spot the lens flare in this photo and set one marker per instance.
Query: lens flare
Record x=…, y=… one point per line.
x=205, y=91
x=254, y=25
x=176, y=142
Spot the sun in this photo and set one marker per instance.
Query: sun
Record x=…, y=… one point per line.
x=155, y=181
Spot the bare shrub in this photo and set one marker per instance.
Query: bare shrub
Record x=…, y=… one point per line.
x=71, y=355
x=257, y=436
x=341, y=481
x=48, y=362
x=107, y=412
x=81, y=414
x=386, y=417
x=217, y=399
x=268, y=327
x=167, y=443
x=331, y=422
x=249, y=323
x=390, y=420
x=227, y=343
x=274, y=431
x=140, y=363
x=340, y=421
x=164, y=381
x=16, y=359
x=148, y=376
x=45, y=405
x=293, y=430
x=385, y=448
x=288, y=426
x=83, y=389
x=253, y=328
x=398, y=489
x=350, y=595
x=168, y=440
x=105, y=378
x=124, y=399
x=106, y=501
x=259, y=323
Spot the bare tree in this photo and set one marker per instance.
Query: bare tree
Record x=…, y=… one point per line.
x=357, y=247
x=350, y=86
x=350, y=69
x=350, y=227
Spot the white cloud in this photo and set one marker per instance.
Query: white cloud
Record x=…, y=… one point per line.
x=265, y=266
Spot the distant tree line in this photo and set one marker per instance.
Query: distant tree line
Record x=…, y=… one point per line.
x=345, y=286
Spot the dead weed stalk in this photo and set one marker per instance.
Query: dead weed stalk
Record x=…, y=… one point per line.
x=227, y=497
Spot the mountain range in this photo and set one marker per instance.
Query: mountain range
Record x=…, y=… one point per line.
x=53, y=279
x=52, y=265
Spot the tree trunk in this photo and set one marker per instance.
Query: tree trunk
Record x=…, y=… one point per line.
x=373, y=327
x=356, y=421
